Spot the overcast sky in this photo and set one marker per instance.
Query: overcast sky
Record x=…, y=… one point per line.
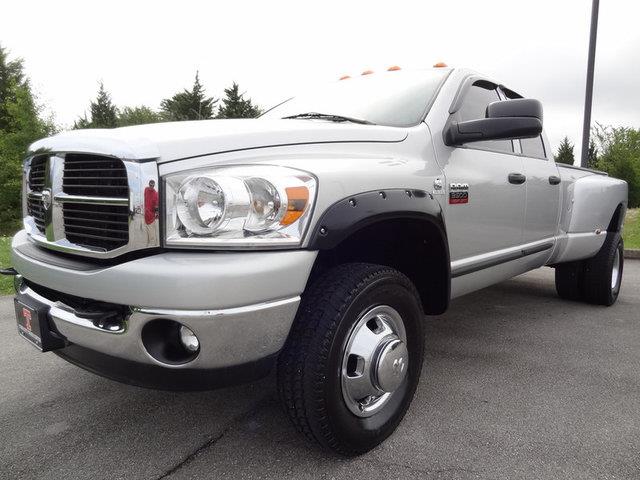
x=145, y=51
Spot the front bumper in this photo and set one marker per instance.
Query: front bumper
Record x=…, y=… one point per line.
x=240, y=305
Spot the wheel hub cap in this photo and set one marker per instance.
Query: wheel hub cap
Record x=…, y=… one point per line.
x=391, y=366
x=375, y=360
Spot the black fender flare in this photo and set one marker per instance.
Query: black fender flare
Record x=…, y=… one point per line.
x=353, y=213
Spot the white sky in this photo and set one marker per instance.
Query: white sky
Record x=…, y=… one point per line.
x=145, y=51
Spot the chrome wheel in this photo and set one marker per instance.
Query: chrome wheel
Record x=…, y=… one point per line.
x=615, y=271
x=375, y=360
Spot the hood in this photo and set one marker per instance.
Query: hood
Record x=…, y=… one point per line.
x=177, y=140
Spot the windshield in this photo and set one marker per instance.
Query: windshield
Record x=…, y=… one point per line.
x=396, y=99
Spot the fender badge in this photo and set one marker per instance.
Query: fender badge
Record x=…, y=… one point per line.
x=458, y=193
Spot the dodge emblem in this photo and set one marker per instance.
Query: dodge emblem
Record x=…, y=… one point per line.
x=46, y=199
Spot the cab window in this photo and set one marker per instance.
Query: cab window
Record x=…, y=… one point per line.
x=533, y=147
x=474, y=107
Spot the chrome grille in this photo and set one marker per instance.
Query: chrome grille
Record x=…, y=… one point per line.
x=95, y=176
x=104, y=226
x=36, y=210
x=88, y=204
x=95, y=225
x=37, y=173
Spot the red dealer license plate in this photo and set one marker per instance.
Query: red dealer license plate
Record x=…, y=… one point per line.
x=33, y=325
x=28, y=324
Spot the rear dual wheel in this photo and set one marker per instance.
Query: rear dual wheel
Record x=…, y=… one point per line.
x=351, y=364
x=596, y=280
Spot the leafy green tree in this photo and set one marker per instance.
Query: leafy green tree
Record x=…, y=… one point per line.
x=137, y=116
x=189, y=104
x=103, y=112
x=620, y=156
x=565, y=152
x=21, y=123
x=234, y=105
x=11, y=74
x=592, y=154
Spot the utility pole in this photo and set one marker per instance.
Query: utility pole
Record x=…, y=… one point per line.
x=588, y=97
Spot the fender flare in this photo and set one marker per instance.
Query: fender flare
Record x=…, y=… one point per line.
x=351, y=214
x=358, y=211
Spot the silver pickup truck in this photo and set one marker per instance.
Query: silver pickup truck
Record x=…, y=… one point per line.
x=313, y=239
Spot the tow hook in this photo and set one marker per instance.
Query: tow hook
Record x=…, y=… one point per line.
x=17, y=278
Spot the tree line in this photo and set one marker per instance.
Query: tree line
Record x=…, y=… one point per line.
x=23, y=121
x=615, y=150
x=189, y=104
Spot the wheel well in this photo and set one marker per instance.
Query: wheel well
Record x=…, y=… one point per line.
x=416, y=247
x=615, y=225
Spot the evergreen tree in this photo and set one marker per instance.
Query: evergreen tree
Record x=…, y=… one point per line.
x=592, y=155
x=189, y=104
x=235, y=106
x=137, y=116
x=103, y=112
x=565, y=152
x=21, y=124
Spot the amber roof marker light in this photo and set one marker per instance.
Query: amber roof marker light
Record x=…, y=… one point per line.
x=440, y=65
x=367, y=72
x=344, y=77
x=393, y=68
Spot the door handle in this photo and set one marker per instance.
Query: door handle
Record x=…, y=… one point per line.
x=554, y=180
x=517, y=178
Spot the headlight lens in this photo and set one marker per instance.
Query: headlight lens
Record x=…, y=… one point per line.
x=248, y=206
x=205, y=205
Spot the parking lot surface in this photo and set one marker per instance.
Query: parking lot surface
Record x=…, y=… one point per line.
x=516, y=384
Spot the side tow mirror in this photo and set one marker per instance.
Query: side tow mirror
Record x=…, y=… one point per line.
x=508, y=119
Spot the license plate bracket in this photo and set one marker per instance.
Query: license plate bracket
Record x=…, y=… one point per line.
x=33, y=324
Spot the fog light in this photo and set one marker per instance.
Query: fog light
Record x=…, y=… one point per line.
x=189, y=339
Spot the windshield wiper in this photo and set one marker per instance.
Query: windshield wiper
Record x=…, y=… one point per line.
x=329, y=117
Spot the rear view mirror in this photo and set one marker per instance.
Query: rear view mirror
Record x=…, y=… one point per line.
x=508, y=119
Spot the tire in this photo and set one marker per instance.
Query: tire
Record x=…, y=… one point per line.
x=319, y=377
x=603, y=273
x=569, y=279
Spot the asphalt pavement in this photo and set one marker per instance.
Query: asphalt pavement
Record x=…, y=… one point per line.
x=516, y=384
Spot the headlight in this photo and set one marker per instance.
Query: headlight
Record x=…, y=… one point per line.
x=240, y=206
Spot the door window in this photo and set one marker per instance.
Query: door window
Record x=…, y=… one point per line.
x=474, y=107
x=533, y=147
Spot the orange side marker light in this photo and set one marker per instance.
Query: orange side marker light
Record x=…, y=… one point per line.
x=297, y=200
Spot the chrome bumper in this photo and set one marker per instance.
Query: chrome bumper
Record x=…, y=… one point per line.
x=228, y=337
x=240, y=305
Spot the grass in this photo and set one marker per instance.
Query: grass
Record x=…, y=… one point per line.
x=631, y=232
x=6, y=282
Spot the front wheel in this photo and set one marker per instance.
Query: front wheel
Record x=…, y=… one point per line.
x=352, y=362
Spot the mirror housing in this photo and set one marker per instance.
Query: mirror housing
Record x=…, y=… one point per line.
x=505, y=120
